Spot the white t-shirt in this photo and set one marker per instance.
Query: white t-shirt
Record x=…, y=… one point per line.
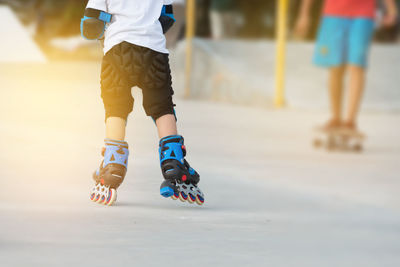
x=133, y=21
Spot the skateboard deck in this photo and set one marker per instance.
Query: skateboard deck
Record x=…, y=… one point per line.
x=341, y=139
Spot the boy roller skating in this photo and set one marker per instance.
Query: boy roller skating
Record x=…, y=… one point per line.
x=342, y=45
x=135, y=55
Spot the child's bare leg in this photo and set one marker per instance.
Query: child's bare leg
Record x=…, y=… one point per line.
x=111, y=173
x=166, y=126
x=115, y=128
x=356, y=89
x=336, y=75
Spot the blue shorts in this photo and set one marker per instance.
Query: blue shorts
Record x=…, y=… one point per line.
x=343, y=41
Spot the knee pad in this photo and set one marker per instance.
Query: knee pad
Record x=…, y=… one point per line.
x=118, y=102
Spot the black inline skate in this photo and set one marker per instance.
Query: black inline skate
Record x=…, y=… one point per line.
x=180, y=179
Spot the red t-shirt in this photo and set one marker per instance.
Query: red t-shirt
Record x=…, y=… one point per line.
x=350, y=8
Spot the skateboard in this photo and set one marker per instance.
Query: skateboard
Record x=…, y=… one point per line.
x=341, y=139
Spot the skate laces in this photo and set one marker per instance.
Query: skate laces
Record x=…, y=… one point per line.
x=115, y=152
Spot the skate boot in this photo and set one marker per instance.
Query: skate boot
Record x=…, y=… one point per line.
x=180, y=179
x=111, y=173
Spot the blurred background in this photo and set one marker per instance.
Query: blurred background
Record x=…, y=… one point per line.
x=48, y=20
x=233, y=48
x=270, y=196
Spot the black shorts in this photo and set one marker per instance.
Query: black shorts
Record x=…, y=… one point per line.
x=127, y=65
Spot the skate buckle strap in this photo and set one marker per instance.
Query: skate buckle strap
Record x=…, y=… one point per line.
x=117, y=152
x=171, y=147
x=192, y=171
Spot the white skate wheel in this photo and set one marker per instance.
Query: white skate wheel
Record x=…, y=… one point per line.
x=112, y=196
x=191, y=198
x=102, y=199
x=100, y=193
x=104, y=193
x=97, y=197
x=175, y=196
x=199, y=200
x=92, y=196
x=93, y=193
x=182, y=196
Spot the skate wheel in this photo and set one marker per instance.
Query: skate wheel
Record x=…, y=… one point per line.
x=112, y=196
x=167, y=191
x=102, y=199
x=175, y=196
x=191, y=198
x=358, y=148
x=97, y=198
x=199, y=200
x=330, y=146
x=102, y=195
x=182, y=196
x=317, y=143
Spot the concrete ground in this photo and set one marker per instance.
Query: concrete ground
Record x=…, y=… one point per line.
x=271, y=199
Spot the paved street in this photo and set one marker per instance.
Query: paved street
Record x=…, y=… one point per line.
x=271, y=199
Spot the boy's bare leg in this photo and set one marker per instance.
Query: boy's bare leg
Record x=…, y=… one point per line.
x=166, y=125
x=356, y=90
x=111, y=173
x=115, y=128
x=336, y=75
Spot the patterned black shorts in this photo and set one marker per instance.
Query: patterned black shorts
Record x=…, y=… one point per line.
x=127, y=65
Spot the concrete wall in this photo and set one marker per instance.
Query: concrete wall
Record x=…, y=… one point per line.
x=243, y=72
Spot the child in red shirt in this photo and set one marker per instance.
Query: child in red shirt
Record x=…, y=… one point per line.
x=350, y=8
x=342, y=45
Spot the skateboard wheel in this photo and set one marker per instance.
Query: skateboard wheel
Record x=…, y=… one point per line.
x=358, y=148
x=330, y=146
x=317, y=142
